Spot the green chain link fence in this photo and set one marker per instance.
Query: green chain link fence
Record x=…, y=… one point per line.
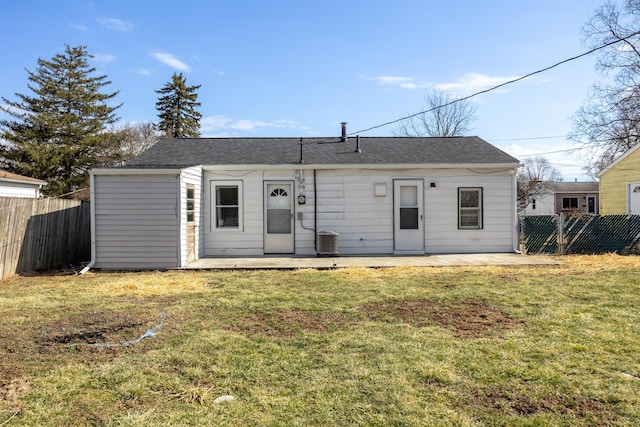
x=585, y=234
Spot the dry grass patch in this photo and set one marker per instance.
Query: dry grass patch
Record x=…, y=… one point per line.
x=603, y=262
x=151, y=284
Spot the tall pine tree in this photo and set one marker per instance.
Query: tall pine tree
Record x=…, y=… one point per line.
x=56, y=131
x=177, y=109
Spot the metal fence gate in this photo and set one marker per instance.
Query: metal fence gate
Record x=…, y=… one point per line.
x=586, y=234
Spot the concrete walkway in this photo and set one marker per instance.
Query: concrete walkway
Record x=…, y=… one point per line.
x=296, y=262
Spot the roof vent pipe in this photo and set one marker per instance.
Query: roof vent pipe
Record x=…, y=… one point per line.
x=358, y=150
x=343, y=138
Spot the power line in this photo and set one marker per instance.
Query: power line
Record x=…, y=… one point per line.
x=548, y=152
x=528, y=138
x=517, y=79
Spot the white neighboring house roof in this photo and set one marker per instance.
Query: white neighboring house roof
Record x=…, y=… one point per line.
x=618, y=160
x=12, y=184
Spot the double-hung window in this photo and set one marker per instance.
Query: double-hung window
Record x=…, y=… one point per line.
x=226, y=197
x=470, y=208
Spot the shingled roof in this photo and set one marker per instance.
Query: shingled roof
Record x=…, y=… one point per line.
x=14, y=177
x=179, y=153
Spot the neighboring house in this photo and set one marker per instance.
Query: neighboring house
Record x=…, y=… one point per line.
x=185, y=199
x=13, y=185
x=620, y=185
x=565, y=197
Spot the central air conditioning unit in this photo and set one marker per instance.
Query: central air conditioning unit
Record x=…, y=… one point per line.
x=327, y=243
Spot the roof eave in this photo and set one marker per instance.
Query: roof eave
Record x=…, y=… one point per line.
x=136, y=171
x=380, y=166
x=34, y=182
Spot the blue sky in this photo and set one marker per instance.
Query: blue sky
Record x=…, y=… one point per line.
x=299, y=68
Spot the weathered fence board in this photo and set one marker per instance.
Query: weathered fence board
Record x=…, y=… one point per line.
x=42, y=234
x=588, y=234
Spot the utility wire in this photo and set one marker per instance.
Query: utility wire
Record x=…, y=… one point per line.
x=542, y=70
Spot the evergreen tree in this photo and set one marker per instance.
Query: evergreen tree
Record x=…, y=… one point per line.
x=177, y=109
x=56, y=131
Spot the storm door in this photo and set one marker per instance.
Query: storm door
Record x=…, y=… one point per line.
x=408, y=207
x=278, y=217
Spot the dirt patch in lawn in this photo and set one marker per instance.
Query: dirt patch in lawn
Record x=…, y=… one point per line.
x=518, y=403
x=468, y=318
x=99, y=335
x=96, y=327
x=288, y=323
x=12, y=388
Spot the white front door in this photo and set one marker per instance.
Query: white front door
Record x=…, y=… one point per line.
x=278, y=217
x=633, y=198
x=408, y=208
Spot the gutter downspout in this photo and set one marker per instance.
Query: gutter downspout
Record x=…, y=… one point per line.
x=93, y=224
x=516, y=217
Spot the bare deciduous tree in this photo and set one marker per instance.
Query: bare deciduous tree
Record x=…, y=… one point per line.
x=609, y=122
x=533, y=179
x=124, y=142
x=443, y=116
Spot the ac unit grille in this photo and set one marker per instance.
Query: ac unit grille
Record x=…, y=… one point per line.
x=328, y=243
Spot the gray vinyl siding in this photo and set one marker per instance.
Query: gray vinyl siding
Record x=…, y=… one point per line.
x=441, y=211
x=136, y=221
x=247, y=239
x=346, y=204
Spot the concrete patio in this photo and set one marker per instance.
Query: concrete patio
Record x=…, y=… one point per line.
x=297, y=262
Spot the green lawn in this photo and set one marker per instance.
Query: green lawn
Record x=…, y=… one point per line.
x=466, y=346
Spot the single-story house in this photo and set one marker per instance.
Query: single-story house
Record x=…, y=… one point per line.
x=565, y=197
x=185, y=199
x=620, y=185
x=14, y=185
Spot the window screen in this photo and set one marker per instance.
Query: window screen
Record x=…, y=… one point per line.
x=227, y=206
x=470, y=208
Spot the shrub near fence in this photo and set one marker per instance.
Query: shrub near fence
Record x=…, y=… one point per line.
x=581, y=234
x=42, y=234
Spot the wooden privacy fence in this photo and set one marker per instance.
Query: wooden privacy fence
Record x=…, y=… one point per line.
x=587, y=234
x=43, y=234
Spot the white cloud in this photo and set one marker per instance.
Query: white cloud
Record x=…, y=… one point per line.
x=220, y=125
x=402, y=82
x=116, y=24
x=142, y=71
x=172, y=61
x=469, y=83
x=79, y=27
x=474, y=82
x=104, y=58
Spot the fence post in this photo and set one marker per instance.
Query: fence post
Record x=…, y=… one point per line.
x=561, y=242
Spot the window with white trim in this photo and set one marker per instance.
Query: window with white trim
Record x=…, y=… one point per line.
x=191, y=203
x=470, y=208
x=226, y=198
